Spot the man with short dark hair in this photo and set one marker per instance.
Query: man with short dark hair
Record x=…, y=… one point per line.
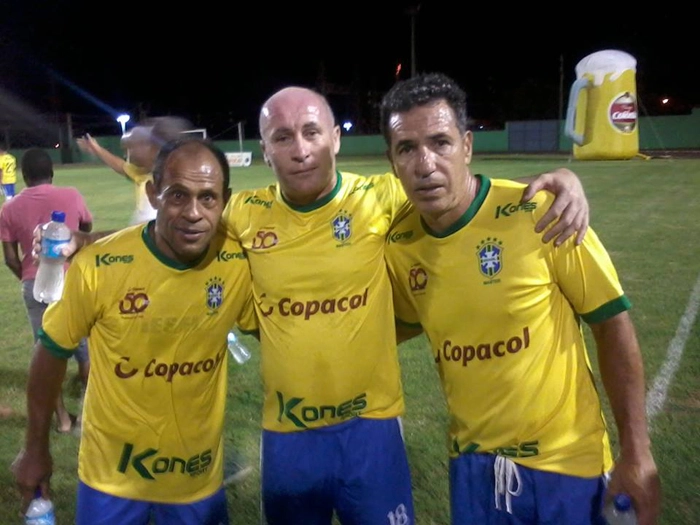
x=157, y=317
x=502, y=311
x=18, y=219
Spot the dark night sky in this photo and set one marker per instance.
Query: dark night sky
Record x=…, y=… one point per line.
x=216, y=66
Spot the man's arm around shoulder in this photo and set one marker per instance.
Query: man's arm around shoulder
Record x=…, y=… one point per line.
x=570, y=208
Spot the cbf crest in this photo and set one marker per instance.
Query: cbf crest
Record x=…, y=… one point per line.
x=214, y=294
x=342, y=226
x=490, y=254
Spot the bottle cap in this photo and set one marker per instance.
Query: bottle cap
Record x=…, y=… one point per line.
x=623, y=502
x=58, y=216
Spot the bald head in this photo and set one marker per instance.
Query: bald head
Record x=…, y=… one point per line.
x=294, y=102
x=299, y=140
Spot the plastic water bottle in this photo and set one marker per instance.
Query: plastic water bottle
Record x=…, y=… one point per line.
x=48, y=284
x=40, y=511
x=620, y=511
x=238, y=350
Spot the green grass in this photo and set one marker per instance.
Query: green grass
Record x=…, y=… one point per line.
x=646, y=213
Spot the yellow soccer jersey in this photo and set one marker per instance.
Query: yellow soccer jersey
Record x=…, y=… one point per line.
x=323, y=299
x=8, y=165
x=154, y=406
x=502, y=312
x=143, y=211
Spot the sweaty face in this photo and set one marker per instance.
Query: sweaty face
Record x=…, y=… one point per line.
x=431, y=158
x=189, y=203
x=300, y=142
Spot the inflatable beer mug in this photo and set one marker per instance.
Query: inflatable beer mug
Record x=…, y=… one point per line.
x=601, y=117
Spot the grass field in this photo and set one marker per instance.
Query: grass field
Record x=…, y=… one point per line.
x=646, y=213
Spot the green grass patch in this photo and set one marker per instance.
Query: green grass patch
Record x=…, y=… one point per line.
x=646, y=213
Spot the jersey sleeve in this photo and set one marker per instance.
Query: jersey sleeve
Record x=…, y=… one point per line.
x=70, y=319
x=404, y=309
x=391, y=194
x=136, y=174
x=588, y=279
x=228, y=222
x=399, y=274
x=248, y=321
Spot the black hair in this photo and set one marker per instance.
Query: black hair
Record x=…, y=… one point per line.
x=174, y=145
x=36, y=165
x=421, y=90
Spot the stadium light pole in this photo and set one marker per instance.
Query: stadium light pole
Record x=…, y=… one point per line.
x=413, y=12
x=123, y=119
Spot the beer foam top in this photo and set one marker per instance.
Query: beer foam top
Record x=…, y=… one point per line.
x=606, y=62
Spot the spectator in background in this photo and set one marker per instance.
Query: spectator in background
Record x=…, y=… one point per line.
x=8, y=173
x=18, y=219
x=141, y=145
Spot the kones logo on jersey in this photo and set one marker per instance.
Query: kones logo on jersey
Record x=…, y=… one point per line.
x=215, y=294
x=342, y=229
x=490, y=254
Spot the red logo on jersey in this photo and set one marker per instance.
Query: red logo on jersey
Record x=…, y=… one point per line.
x=462, y=354
x=134, y=302
x=121, y=373
x=264, y=239
x=417, y=278
x=169, y=371
x=288, y=306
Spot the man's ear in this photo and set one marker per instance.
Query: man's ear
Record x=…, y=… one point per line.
x=265, y=157
x=152, y=194
x=468, y=150
x=336, y=139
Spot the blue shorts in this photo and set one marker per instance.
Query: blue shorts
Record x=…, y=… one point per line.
x=359, y=469
x=491, y=491
x=97, y=508
x=8, y=190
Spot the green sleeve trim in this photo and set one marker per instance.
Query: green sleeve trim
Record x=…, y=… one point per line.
x=53, y=348
x=608, y=310
x=407, y=324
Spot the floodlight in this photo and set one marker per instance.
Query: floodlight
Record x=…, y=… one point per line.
x=123, y=119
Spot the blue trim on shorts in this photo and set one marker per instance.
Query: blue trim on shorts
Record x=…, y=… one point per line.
x=99, y=508
x=8, y=190
x=543, y=497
